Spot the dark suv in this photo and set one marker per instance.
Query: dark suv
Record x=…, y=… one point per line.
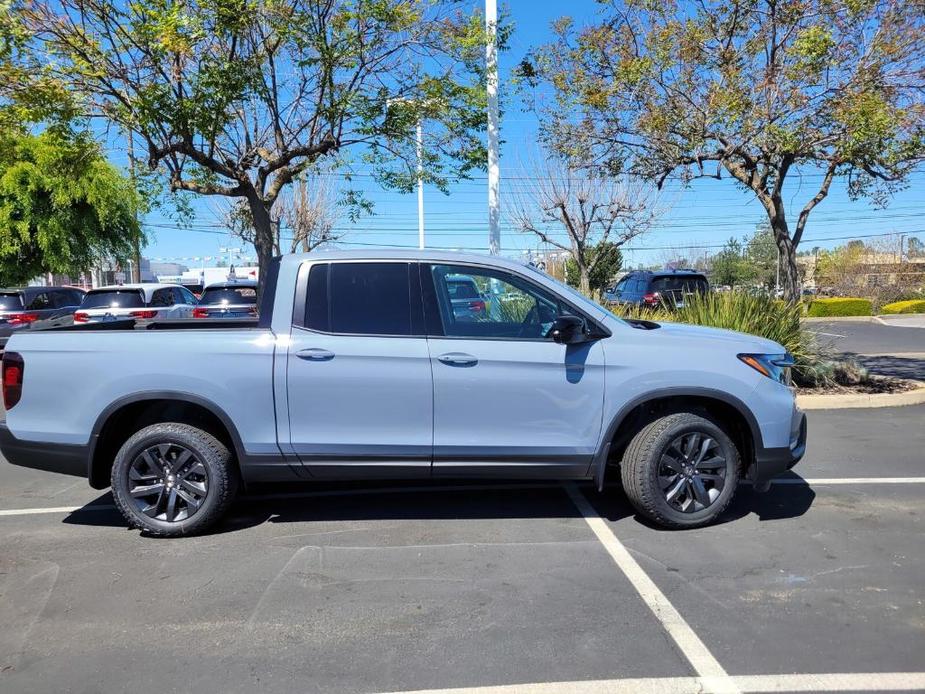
x=27, y=307
x=665, y=287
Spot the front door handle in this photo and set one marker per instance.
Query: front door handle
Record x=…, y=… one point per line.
x=315, y=354
x=458, y=359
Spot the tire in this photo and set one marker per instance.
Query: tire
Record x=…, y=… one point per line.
x=660, y=471
x=177, y=461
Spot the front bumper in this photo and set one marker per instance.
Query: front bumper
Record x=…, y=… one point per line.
x=68, y=459
x=770, y=462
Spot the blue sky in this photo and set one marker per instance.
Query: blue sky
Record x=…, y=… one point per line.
x=699, y=221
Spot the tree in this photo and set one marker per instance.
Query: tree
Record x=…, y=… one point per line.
x=761, y=255
x=607, y=260
x=236, y=98
x=729, y=267
x=915, y=248
x=63, y=208
x=575, y=212
x=763, y=91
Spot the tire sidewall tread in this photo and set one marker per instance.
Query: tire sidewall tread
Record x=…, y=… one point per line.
x=639, y=468
x=214, y=455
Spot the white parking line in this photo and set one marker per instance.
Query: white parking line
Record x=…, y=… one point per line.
x=453, y=488
x=690, y=645
x=832, y=682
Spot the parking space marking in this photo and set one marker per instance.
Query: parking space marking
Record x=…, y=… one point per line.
x=827, y=682
x=55, y=509
x=690, y=645
x=850, y=480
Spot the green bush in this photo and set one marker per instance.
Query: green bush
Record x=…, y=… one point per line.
x=756, y=314
x=911, y=306
x=840, y=307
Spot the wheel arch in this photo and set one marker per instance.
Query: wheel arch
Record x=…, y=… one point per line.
x=739, y=421
x=131, y=413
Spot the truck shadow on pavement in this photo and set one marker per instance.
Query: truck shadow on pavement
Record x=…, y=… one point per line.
x=448, y=501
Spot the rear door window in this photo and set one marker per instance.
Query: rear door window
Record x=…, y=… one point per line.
x=359, y=298
x=40, y=302
x=113, y=298
x=162, y=298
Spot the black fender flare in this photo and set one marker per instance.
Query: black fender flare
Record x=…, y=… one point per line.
x=599, y=462
x=180, y=396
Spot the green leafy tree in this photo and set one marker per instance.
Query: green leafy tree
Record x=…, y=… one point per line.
x=761, y=255
x=63, y=207
x=729, y=267
x=764, y=92
x=237, y=98
x=607, y=261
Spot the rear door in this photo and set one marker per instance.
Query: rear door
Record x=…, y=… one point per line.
x=359, y=385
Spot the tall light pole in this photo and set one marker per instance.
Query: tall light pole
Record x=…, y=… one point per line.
x=419, y=151
x=494, y=174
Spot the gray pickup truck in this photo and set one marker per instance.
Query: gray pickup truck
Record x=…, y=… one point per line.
x=359, y=366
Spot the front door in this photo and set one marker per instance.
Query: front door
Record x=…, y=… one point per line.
x=359, y=385
x=508, y=401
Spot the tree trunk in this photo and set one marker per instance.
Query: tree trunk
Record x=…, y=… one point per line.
x=264, y=239
x=584, y=280
x=787, y=252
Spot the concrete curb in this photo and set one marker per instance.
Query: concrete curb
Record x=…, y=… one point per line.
x=883, y=318
x=844, y=401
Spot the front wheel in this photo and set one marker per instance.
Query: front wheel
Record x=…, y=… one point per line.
x=173, y=479
x=681, y=471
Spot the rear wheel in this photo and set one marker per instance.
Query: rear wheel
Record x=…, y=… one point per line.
x=681, y=471
x=173, y=479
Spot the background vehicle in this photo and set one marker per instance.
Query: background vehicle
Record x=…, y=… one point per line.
x=143, y=302
x=234, y=299
x=647, y=288
x=359, y=367
x=24, y=307
x=468, y=302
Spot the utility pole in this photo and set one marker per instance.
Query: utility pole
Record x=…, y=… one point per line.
x=419, y=152
x=902, y=243
x=494, y=174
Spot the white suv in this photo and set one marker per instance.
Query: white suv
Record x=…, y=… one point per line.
x=143, y=302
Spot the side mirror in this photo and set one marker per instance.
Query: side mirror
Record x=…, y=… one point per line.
x=567, y=330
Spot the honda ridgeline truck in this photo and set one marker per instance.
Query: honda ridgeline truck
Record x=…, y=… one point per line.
x=361, y=366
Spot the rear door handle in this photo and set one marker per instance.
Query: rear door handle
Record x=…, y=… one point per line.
x=315, y=354
x=458, y=359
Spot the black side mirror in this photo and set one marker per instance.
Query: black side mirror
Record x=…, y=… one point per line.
x=568, y=330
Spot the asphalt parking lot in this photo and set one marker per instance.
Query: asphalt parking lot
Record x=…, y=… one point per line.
x=894, y=347
x=817, y=585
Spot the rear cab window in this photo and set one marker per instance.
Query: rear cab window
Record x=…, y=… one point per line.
x=359, y=298
x=113, y=298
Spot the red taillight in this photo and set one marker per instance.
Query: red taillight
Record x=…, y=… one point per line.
x=477, y=306
x=143, y=314
x=20, y=318
x=81, y=317
x=13, y=367
x=650, y=298
x=200, y=313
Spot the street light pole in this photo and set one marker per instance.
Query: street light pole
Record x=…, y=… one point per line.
x=494, y=174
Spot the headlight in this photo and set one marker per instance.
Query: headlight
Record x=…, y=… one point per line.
x=774, y=366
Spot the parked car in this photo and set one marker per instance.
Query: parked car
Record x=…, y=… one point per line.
x=143, y=302
x=233, y=299
x=668, y=288
x=468, y=302
x=22, y=308
x=359, y=368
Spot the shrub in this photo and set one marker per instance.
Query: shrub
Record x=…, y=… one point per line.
x=756, y=314
x=840, y=307
x=911, y=306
